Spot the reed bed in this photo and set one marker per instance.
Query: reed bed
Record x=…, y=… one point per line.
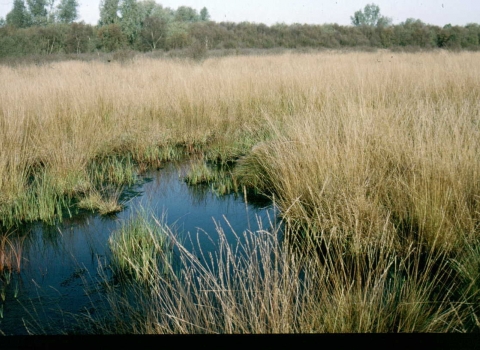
x=372, y=158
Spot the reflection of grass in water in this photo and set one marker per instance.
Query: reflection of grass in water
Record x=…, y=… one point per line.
x=11, y=252
x=11, y=248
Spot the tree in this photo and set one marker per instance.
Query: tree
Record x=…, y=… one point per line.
x=67, y=11
x=186, y=14
x=145, y=8
x=167, y=13
x=204, y=15
x=154, y=32
x=149, y=8
x=177, y=36
x=472, y=36
x=38, y=11
x=19, y=16
x=51, y=38
x=370, y=16
x=108, y=12
x=51, y=11
x=130, y=20
x=78, y=38
x=110, y=37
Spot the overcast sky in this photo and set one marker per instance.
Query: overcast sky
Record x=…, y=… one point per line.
x=438, y=12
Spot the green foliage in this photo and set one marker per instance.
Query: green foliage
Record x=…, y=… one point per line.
x=167, y=13
x=52, y=12
x=38, y=11
x=370, y=16
x=154, y=32
x=472, y=35
x=178, y=37
x=415, y=33
x=19, y=16
x=52, y=38
x=15, y=43
x=67, y=11
x=78, y=38
x=204, y=15
x=130, y=20
x=145, y=8
x=108, y=12
x=456, y=37
x=111, y=38
x=147, y=26
x=186, y=14
x=148, y=8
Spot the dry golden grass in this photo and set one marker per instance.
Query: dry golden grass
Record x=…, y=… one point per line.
x=359, y=139
x=365, y=153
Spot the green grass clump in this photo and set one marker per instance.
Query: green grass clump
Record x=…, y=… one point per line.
x=199, y=173
x=218, y=176
x=105, y=201
x=139, y=248
x=112, y=170
x=42, y=199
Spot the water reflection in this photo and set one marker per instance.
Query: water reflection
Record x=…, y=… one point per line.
x=61, y=265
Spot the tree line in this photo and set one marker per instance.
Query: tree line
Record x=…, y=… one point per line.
x=49, y=26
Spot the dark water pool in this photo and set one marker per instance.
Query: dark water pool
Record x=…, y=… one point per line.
x=60, y=265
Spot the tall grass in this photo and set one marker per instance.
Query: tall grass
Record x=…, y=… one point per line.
x=372, y=159
x=406, y=119
x=263, y=285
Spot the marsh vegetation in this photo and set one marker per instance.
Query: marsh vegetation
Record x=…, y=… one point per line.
x=371, y=158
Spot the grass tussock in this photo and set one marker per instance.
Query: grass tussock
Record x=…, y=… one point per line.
x=262, y=285
x=105, y=202
x=216, y=175
x=139, y=248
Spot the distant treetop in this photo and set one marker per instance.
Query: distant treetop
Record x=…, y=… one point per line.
x=370, y=16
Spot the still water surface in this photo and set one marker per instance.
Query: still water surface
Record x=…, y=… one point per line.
x=60, y=268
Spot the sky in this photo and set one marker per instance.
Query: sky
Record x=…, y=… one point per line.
x=437, y=12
